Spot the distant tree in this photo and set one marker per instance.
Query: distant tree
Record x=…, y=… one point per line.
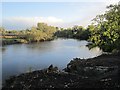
x=40, y=33
x=2, y=31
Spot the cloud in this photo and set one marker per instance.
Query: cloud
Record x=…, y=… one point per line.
x=108, y=2
x=82, y=17
x=19, y=23
x=27, y=22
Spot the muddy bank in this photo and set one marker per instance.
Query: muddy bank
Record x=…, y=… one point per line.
x=13, y=41
x=100, y=72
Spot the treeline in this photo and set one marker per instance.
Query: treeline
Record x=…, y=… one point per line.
x=103, y=32
x=42, y=32
x=77, y=32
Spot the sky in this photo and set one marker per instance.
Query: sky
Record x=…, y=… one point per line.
x=23, y=15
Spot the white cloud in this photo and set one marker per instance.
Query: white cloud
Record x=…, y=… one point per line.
x=18, y=23
x=82, y=17
x=27, y=22
x=108, y=2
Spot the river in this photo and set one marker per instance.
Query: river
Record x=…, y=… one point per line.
x=20, y=58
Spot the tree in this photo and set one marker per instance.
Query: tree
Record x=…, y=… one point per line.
x=40, y=33
x=106, y=33
x=2, y=31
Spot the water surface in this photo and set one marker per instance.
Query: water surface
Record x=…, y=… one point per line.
x=19, y=58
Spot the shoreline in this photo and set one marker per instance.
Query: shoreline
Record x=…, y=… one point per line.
x=12, y=41
x=99, y=72
x=18, y=41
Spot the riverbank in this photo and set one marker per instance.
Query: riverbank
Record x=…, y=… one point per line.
x=100, y=72
x=10, y=41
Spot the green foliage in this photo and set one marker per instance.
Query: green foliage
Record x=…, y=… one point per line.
x=2, y=31
x=40, y=33
x=75, y=32
x=35, y=36
x=103, y=32
x=106, y=30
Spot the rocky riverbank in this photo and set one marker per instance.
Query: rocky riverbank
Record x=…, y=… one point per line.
x=100, y=72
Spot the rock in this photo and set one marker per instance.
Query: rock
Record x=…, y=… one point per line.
x=50, y=67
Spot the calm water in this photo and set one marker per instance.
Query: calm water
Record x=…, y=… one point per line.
x=18, y=58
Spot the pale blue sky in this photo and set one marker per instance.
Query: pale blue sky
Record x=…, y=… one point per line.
x=22, y=15
x=63, y=10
